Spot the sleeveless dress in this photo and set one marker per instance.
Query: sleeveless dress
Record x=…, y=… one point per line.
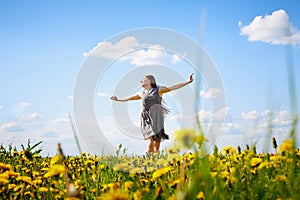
x=152, y=115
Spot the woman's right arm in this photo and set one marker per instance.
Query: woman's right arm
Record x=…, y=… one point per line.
x=134, y=97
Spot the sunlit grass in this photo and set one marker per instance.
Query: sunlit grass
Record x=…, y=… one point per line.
x=226, y=174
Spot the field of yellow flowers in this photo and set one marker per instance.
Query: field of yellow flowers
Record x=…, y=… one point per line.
x=230, y=173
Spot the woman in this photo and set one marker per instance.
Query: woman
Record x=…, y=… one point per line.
x=152, y=115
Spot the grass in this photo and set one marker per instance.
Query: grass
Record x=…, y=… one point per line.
x=226, y=174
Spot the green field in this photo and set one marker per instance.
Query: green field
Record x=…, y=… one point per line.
x=230, y=173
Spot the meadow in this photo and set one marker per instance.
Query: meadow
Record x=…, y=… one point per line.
x=228, y=173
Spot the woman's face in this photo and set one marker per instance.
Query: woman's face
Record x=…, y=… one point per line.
x=145, y=81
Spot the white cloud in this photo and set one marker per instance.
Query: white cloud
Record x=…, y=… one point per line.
x=252, y=115
x=136, y=53
x=1, y=107
x=61, y=120
x=12, y=127
x=30, y=117
x=102, y=94
x=211, y=93
x=275, y=29
x=205, y=115
x=232, y=128
x=20, y=108
x=70, y=97
x=111, y=51
x=24, y=104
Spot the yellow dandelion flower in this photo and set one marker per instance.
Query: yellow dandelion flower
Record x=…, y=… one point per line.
x=213, y=174
x=158, y=173
x=138, y=195
x=35, y=173
x=224, y=174
x=185, y=137
x=18, y=187
x=229, y=150
x=115, y=195
x=4, y=175
x=286, y=146
x=24, y=179
x=232, y=170
x=15, y=153
x=11, y=186
x=200, y=139
x=144, y=181
x=72, y=198
x=89, y=162
x=253, y=171
x=282, y=178
x=36, y=155
x=102, y=166
x=3, y=181
x=233, y=179
x=55, y=159
x=174, y=182
x=128, y=185
x=43, y=189
x=93, y=190
x=4, y=167
x=37, y=181
x=255, y=161
x=55, y=170
x=200, y=195
x=263, y=165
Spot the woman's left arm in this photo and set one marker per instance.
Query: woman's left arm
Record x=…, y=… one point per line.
x=164, y=89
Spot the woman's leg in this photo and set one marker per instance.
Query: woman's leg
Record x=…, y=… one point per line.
x=157, y=141
x=156, y=146
x=150, y=145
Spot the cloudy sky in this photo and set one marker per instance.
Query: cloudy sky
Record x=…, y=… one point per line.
x=254, y=45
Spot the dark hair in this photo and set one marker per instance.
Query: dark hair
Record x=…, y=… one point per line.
x=152, y=79
x=153, y=85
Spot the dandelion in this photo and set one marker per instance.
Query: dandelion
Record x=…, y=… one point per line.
x=255, y=162
x=11, y=186
x=224, y=174
x=213, y=174
x=115, y=195
x=24, y=179
x=138, y=195
x=282, y=178
x=229, y=150
x=55, y=170
x=200, y=139
x=4, y=167
x=158, y=173
x=200, y=195
x=128, y=185
x=185, y=137
x=43, y=189
x=286, y=146
x=175, y=182
x=3, y=181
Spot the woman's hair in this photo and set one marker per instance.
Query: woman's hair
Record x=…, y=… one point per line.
x=152, y=80
x=153, y=85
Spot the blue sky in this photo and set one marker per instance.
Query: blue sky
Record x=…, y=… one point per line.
x=42, y=48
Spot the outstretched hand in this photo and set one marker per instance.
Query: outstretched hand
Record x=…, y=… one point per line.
x=191, y=78
x=114, y=98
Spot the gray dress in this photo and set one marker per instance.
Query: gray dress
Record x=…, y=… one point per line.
x=152, y=115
